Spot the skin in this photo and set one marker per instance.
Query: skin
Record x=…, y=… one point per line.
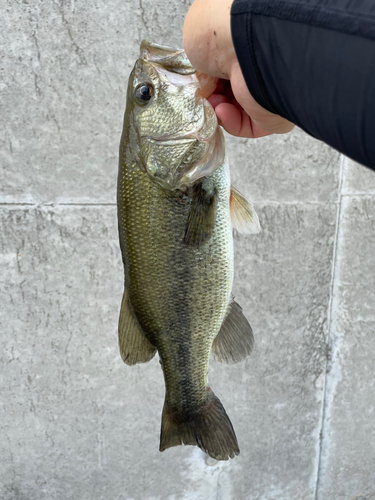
x=208, y=44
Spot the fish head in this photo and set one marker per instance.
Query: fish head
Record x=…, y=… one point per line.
x=177, y=131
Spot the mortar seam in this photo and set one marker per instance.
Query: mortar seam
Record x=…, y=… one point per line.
x=256, y=203
x=56, y=204
x=334, y=274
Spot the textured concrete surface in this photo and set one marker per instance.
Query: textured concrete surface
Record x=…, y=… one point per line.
x=348, y=451
x=75, y=422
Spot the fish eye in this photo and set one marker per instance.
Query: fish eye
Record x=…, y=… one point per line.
x=144, y=92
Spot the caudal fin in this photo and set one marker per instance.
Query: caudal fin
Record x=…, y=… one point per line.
x=209, y=428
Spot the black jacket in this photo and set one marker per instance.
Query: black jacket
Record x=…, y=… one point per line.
x=313, y=62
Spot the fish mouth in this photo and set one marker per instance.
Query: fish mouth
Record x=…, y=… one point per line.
x=188, y=159
x=212, y=159
x=169, y=58
x=189, y=156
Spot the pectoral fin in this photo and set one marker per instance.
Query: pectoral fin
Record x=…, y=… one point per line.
x=134, y=346
x=244, y=217
x=202, y=214
x=235, y=340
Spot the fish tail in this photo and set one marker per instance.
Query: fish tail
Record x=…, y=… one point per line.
x=209, y=428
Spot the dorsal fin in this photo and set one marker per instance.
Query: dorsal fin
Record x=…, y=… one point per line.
x=244, y=217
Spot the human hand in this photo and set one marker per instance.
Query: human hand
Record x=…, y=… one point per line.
x=208, y=45
x=231, y=115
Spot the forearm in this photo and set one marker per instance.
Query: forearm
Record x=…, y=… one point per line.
x=314, y=64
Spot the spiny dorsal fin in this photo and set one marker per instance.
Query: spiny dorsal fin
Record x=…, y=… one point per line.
x=202, y=214
x=134, y=346
x=244, y=217
x=235, y=340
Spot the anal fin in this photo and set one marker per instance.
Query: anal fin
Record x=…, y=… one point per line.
x=134, y=346
x=235, y=340
x=202, y=214
x=243, y=216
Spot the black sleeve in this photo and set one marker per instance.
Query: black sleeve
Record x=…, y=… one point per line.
x=313, y=62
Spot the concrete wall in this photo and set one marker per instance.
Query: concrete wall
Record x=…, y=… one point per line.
x=75, y=422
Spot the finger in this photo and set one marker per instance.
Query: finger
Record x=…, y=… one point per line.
x=216, y=99
x=238, y=123
x=232, y=120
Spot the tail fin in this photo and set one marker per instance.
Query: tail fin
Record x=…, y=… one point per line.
x=209, y=428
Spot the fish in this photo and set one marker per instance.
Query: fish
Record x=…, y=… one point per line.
x=176, y=214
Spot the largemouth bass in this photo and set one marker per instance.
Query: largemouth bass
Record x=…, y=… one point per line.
x=175, y=227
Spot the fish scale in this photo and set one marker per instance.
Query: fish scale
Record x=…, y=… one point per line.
x=172, y=291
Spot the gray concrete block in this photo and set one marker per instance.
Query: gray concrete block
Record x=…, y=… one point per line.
x=282, y=281
x=348, y=452
x=285, y=168
x=63, y=85
x=57, y=346
x=78, y=423
x=357, y=179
